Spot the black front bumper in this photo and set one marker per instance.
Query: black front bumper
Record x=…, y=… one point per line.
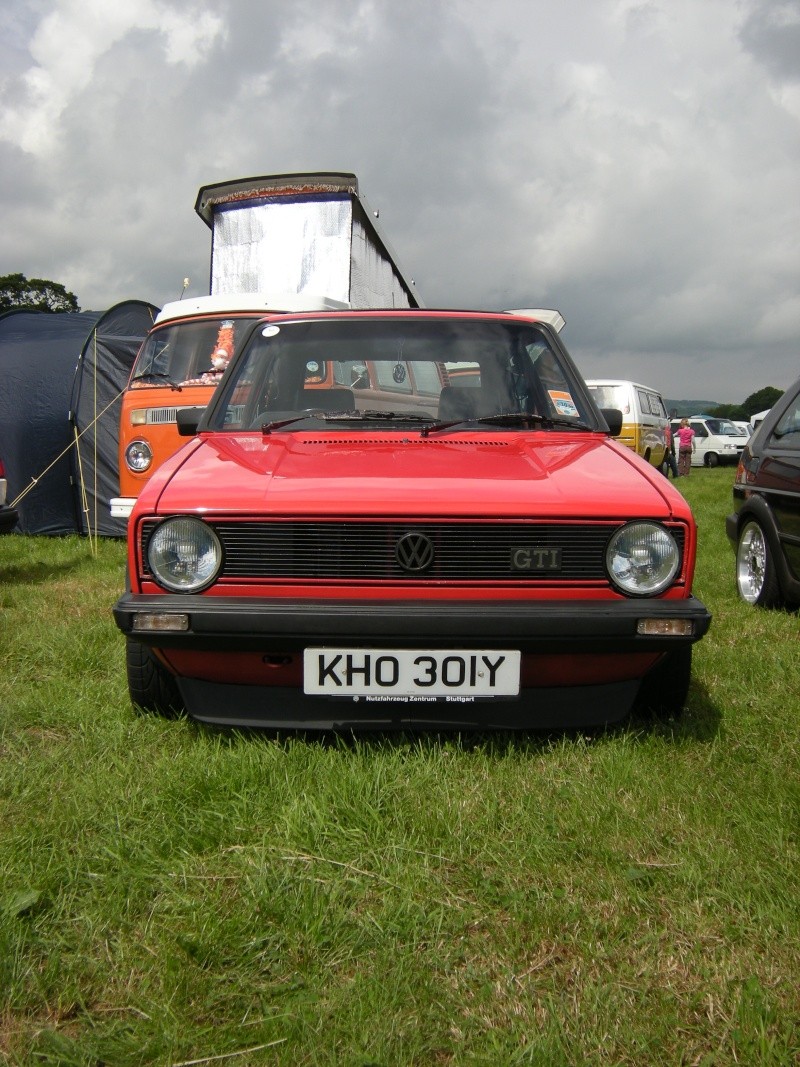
x=220, y=625
x=244, y=624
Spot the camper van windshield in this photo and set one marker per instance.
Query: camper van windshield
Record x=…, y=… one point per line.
x=194, y=352
x=612, y=396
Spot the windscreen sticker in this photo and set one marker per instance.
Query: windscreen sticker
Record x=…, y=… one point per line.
x=270, y=331
x=563, y=402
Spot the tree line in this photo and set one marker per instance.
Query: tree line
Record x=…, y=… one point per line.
x=761, y=400
x=34, y=294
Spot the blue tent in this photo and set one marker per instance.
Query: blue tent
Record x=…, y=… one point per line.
x=61, y=380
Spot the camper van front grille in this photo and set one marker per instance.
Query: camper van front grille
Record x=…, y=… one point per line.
x=161, y=416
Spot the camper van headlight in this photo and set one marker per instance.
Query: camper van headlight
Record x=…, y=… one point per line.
x=184, y=555
x=138, y=456
x=642, y=559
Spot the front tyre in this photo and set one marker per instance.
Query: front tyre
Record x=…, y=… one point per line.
x=152, y=688
x=664, y=690
x=756, y=578
x=712, y=459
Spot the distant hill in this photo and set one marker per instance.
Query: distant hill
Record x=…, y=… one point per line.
x=690, y=407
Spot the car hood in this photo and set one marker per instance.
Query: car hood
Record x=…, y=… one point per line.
x=495, y=474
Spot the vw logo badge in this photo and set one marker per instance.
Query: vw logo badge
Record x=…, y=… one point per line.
x=414, y=552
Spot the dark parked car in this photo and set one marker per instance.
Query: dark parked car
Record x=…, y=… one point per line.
x=8, y=516
x=764, y=528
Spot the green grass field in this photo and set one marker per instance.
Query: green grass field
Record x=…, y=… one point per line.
x=177, y=895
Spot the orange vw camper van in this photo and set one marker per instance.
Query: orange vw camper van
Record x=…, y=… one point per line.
x=179, y=365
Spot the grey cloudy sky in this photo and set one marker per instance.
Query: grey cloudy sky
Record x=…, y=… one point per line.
x=633, y=163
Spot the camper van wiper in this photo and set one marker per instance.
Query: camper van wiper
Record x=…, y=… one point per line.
x=151, y=375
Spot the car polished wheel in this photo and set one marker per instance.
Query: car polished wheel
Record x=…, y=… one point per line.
x=151, y=687
x=756, y=579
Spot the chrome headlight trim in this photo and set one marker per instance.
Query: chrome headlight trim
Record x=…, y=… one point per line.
x=642, y=559
x=138, y=456
x=184, y=554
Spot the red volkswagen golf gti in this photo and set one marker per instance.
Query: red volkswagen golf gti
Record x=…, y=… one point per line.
x=408, y=518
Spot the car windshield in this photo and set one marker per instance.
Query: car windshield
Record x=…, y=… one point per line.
x=435, y=371
x=723, y=428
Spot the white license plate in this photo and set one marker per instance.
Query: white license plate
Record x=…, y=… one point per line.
x=410, y=673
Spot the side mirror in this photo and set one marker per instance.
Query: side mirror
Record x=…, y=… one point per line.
x=613, y=417
x=188, y=420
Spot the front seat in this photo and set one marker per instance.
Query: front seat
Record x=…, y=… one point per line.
x=458, y=402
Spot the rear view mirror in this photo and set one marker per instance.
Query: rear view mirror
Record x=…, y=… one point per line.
x=188, y=420
x=613, y=417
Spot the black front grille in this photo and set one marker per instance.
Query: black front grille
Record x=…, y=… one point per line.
x=366, y=551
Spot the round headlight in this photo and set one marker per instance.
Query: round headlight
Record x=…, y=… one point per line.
x=184, y=554
x=642, y=559
x=138, y=456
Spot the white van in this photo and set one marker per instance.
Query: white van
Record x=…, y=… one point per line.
x=758, y=418
x=715, y=440
x=644, y=417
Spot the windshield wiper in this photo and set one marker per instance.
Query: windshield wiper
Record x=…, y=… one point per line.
x=509, y=418
x=268, y=427
x=346, y=416
x=150, y=375
x=513, y=418
x=437, y=427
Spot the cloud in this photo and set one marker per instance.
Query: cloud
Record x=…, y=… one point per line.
x=68, y=43
x=771, y=33
x=632, y=163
